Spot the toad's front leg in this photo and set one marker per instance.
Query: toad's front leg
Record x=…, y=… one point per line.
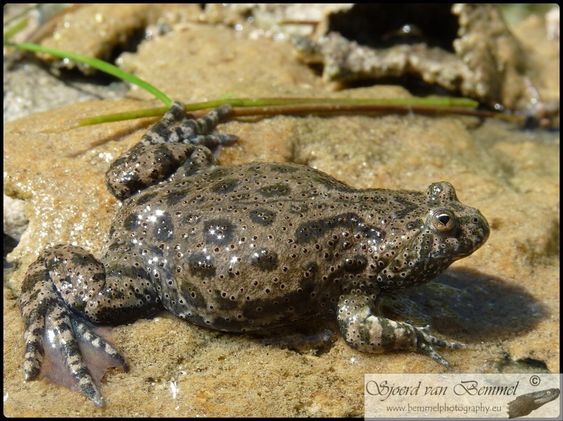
x=367, y=332
x=175, y=140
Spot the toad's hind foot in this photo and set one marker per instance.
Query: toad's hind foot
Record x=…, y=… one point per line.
x=61, y=339
x=55, y=333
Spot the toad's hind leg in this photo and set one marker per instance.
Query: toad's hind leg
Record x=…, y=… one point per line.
x=65, y=290
x=164, y=148
x=367, y=332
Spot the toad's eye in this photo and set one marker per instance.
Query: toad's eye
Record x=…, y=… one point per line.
x=443, y=220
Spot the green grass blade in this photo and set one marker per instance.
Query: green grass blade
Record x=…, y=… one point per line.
x=301, y=105
x=430, y=101
x=128, y=115
x=99, y=65
x=14, y=29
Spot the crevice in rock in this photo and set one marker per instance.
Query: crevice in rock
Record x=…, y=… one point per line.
x=385, y=25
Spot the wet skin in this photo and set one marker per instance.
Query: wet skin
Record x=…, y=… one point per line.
x=246, y=248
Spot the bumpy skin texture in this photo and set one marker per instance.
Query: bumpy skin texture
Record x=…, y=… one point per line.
x=243, y=249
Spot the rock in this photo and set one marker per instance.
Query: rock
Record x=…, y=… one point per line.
x=461, y=48
x=180, y=369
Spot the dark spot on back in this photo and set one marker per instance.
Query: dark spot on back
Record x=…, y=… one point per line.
x=299, y=298
x=331, y=183
x=123, y=271
x=298, y=208
x=262, y=216
x=282, y=168
x=414, y=224
x=158, y=265
x=224, y=303
x=406, y=209
x=31, y=279
x=266, y=260
x=312, y=230
x=240, y=197
x=218, y=231
x=217, y=173
x=164, y=228
x=145, y=198
x=175, y=197
x=202, y=265
x=374, y=234
x=82, y=259
x=225, y=186
x=375, y=198
x=191, y=294
x=131, y=222
x=279, y=189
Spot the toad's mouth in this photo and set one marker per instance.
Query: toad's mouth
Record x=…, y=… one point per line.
x=474, y=232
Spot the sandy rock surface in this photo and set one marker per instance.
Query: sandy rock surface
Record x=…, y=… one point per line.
x=503, y=301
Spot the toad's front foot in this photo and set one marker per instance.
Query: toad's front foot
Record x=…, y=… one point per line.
x=174, y=140
x=367, y=332
x=425, y=343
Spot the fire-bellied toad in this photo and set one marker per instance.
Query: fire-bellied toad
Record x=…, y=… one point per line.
x=242, y=249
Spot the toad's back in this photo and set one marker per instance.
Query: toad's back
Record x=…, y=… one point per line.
x=248, y=247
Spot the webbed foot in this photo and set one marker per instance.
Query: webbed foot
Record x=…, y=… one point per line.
x=55, y=333
x=368, y=332
x=425, y=343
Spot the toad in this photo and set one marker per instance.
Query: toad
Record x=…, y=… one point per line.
x=246, y=248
